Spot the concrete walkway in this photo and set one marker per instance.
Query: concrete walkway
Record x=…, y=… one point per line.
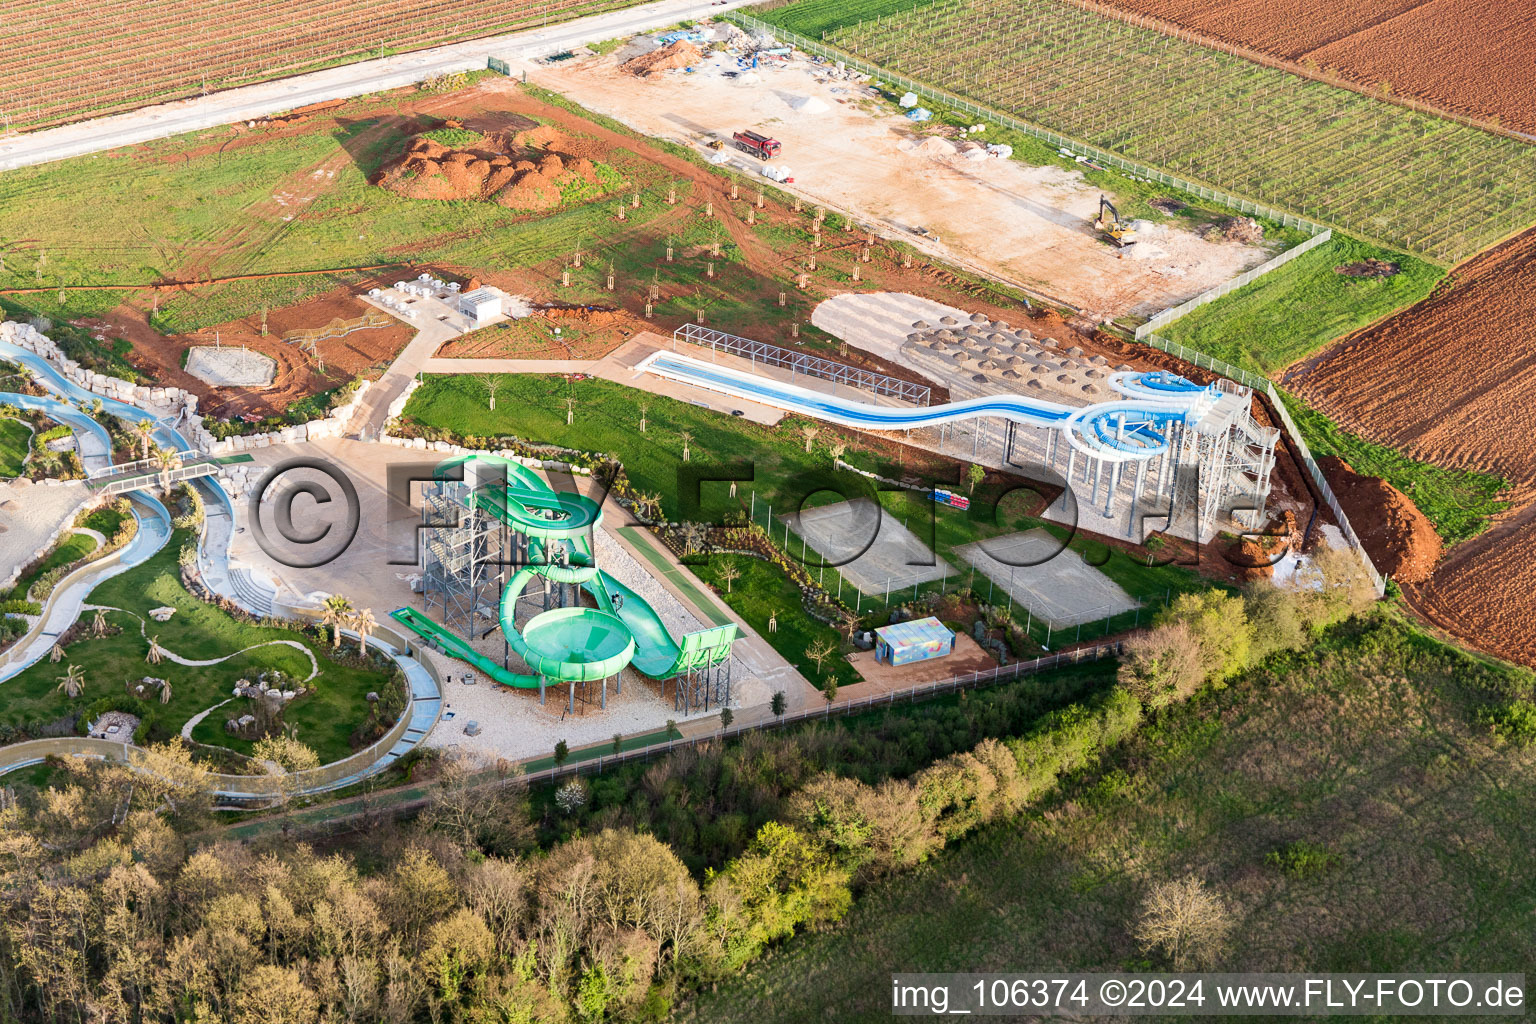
x=255, y=101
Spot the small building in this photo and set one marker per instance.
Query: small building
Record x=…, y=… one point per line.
x=917, y=640
x=480, y=305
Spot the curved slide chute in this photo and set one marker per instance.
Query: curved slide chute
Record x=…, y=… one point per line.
x=1128, y=430
x=563, y=644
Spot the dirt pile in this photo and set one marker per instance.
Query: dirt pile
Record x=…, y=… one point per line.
x=1372, y=267
x=680, y=54
x=1235, y=229
x=1398, y=537
x=525, y=171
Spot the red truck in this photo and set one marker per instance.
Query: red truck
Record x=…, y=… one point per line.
x=760, y=146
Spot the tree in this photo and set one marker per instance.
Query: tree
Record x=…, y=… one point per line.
x=810, y=430
x=165, y=691
x=644, y=408
x=156, y=653
x=363, y=624
x=728, y=572
x=491, y=382
x=830, y=690
x=570, y=409
x=1163, y=665
x=618, y=743
x=776, y=705
x=99, y=622
x=687, y=439
x=144, y=431
x=286, y=752
x=671, y=731
x=167, y=461
x=336, y=611
x=1219, y=623
x=562, y=753
x=726, y=718
x=837, y=450
x=72, y=682
x=1185, y=922
x=56, y=654
x=478, y=812
x=974, y=475
x=820, y=651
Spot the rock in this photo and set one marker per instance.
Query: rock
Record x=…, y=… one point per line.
x=162, y=614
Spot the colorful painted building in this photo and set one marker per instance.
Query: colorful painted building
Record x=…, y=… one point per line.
x=917, y=640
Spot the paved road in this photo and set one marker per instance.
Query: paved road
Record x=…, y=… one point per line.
x=254, y=101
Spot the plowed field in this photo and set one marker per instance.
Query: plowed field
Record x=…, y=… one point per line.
x=1452, y=381
x=1476, y=58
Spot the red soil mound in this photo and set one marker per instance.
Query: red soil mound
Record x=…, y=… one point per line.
x=680, y=54
x=1471, y=57
x=523, y=172
x=1399, y=538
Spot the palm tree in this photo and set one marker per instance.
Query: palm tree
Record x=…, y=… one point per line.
x=810, y=430
x=687, y=440
x=72, y=682
x=337, y=613
x=166, y=460
x=56, y=655
x=364, y=622
x=165, y=692
x=99, y=622
x=156, y=653
x=144, y=430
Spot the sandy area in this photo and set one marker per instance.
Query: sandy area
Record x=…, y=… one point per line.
x=873, y=549
x=1030, y=225
x=1059, y=587
x=29, y=516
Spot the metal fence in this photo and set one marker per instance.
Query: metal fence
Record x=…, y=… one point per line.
x=1172, y=313
x=801, y=362
x=1100, y=156
x=926, y=691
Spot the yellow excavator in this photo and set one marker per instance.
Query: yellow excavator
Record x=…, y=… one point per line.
x=1109, y=223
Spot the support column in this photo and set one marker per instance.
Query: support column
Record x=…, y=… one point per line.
x=541, y=689
x=603, y=702
x=570, y=701
x=1141, y=476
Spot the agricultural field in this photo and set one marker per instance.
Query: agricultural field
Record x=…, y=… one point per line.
x=1317, y=150
x=1449, y=381
x=1467, y=57
x=90, y=57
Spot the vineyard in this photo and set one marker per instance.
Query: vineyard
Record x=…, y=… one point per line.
x=1404, y=178
x=93, y=57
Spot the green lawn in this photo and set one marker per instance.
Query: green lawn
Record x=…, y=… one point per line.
x=73, y=547
x=1460, y=503
x=765, y=589
x=1290, y=313
x=607, y=419
x=15, y=443
x=1366, y=749
x=197, y=631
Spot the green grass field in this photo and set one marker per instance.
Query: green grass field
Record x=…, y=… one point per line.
x=765, y=589
x=1326, y=153
x=1295, y=311
x=1366, y=750
x=197, y=631
x=15, y=443
x=1460, y=503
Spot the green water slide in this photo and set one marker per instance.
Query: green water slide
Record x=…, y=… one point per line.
x=564, y=644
